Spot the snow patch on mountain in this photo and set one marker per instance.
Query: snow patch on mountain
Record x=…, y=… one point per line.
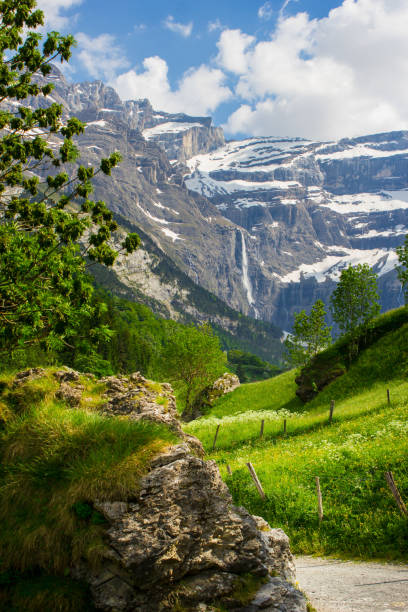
x=368, y=202
x=360, y=151
x=330, y=267
x=207, y=186
x=251, y=155
x=170, y=234
x=171, y=127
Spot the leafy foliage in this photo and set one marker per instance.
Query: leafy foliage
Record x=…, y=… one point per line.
x=249, y=367
x=338, y=359
x=193, y=359
x=45, y=204
x=310, y=335
x=402, y=269
x=354, y=302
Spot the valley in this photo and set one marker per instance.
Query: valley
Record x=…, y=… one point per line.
x=266, y=224
x=203, y=321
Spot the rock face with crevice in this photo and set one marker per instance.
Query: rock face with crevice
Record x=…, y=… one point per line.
x=180, y=543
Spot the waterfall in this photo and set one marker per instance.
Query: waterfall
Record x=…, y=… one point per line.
x=245, y=277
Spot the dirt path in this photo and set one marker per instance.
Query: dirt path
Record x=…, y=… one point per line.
x=348, y=586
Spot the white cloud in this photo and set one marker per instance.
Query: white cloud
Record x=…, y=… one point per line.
x=139, y=27
x=232, y=46
x=52, y=11
x=284, y=6
x=265, y=11
x=213, y=26
x=100, y=56
x=344, y=74
x=184, y=29
x=200, y=91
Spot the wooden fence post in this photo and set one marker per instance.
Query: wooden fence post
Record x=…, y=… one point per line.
x=319, y=499
x=284, y=427
x=388, y=397
x=229, y=470
x=397, y=495
x=262, y=428
x=331, y=412
x=256, y=480
x=215, y=437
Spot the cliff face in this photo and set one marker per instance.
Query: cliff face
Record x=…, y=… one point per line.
x=266, y=224
x=309, y=209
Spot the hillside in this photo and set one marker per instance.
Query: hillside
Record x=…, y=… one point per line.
x=106, y=504
x=366, y=438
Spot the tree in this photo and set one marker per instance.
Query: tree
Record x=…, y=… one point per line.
x=310, y=335
x=193, y=358
x=354, y=302
x=46, y=208
x=402, y=269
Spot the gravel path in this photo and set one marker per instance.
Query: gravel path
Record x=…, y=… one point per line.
x=348, y=586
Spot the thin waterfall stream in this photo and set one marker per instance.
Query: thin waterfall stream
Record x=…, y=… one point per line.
x=245, y=277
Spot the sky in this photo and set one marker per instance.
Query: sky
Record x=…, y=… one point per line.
x=317, y=69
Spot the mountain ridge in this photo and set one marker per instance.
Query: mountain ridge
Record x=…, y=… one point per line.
x=266, y=224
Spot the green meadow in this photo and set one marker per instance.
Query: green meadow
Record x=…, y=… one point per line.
x=367, y=437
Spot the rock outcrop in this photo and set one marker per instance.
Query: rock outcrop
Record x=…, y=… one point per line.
x=180, y=543
x=225, y=384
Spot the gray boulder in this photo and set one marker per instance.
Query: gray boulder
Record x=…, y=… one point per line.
x=181, y=544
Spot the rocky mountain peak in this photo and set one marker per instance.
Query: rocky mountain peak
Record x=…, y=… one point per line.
x=264, y=223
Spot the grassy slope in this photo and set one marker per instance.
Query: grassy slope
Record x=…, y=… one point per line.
x=54, y=462
x=350, y=456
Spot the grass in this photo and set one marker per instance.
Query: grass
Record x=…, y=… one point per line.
x=55, y=461
x=367, y=438
x=271, y=394
x=43, y=593
x=389, y=330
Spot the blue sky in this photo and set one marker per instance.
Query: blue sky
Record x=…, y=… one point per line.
x=311, y=68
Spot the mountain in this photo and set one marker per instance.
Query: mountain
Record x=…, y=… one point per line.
x=309, y=209
x=265, y=224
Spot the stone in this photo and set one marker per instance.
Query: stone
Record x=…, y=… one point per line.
x=205, y=399
x=141, y=399
x=278, y=542
x=277, y=595
x=31, y=374
x=182, y=541
x=67, y=375
x=225, y=384
x=71, y=395
x=111, y=510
